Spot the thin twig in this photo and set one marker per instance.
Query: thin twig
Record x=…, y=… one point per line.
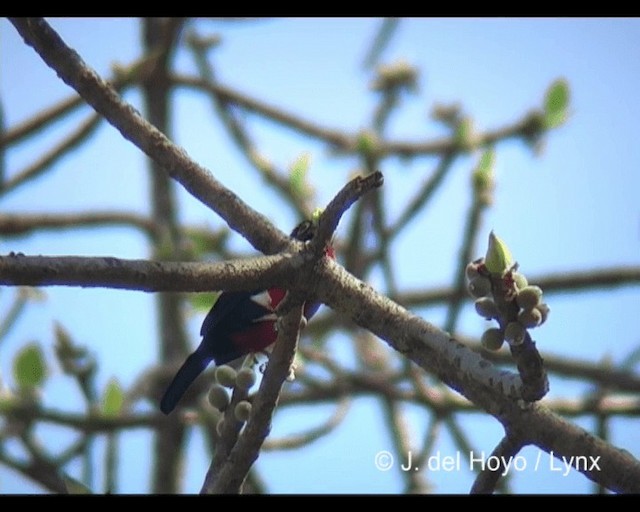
x=27, y=223
x=487, y=479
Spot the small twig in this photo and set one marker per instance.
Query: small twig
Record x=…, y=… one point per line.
x=424, y=194
x=295, y=441
x=26, y=223
x=347, y=143
x=246, y=450
x=551, y=283
x=471, y=232
x=487, y=479
x=332, y=214
x=239, y=134
x=388, y=27
x=47, y=160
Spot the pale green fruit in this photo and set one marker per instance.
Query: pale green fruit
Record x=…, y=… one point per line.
x=479, y=287
x=544, y=311
x=486, y=308
x=492, y=339
x=242, y=410
x=226, y=376
x=530, y=317
x=245, y=378
x=529, y=297
x=520, y=280
x=218, y=397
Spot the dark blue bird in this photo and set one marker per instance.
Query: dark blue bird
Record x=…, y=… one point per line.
x=238, y=324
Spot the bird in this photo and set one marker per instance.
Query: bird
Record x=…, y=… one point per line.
x=239, y=323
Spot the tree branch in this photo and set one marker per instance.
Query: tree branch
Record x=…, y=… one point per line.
x=149, y=276
x=197, y=180
x=246, y=450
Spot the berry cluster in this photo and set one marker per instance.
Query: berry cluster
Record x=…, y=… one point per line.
x=227, y=377
x=504, y=294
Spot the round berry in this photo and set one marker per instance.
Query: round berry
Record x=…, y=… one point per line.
x=218, y=397
x=245, y=378
x=529, y=297
x=226, y=376
x=486, y=308
x=471, y=271
x=479, y=287
x=520, y=280
x=242, y=410
x=492, y=339
x=543, y=307
x=530, y=317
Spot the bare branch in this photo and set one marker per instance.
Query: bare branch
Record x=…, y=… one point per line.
x=487, y=479
x=256, y=228
x=142, y=275
x=25, y=223
x=246, y=450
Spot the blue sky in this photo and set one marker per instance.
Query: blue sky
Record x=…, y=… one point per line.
x=574, y=207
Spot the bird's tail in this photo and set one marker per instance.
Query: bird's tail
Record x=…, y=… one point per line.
x=192, y=367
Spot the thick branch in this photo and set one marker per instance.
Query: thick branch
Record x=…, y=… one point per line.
x=474, y=377
x=142, y=275
x=197, y=180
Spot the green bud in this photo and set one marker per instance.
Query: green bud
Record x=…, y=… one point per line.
x=471, y=270
x=226, y=376
x=483, y=177
x=315, y=216
x=556, y=103
x=529, y=297
x=514, y=333
x=245, y=378
x=218, y=397
x=242, y=410
x=465, y=134
x=486, y=308
x=520, y=280
x=479, y=287
x=367, y=143
x=498, y=259
x=492, y=339
x=530, y=317
x=544, y=311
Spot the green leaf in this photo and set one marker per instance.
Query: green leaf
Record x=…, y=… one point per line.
x=556, y=104
x=298, y=174
x=483, y=174
x=29, y=367
x=203, y=301
x=464, y=133
x=498, y=258
x=367, y=143
x=113, y=399
x=200, y=242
